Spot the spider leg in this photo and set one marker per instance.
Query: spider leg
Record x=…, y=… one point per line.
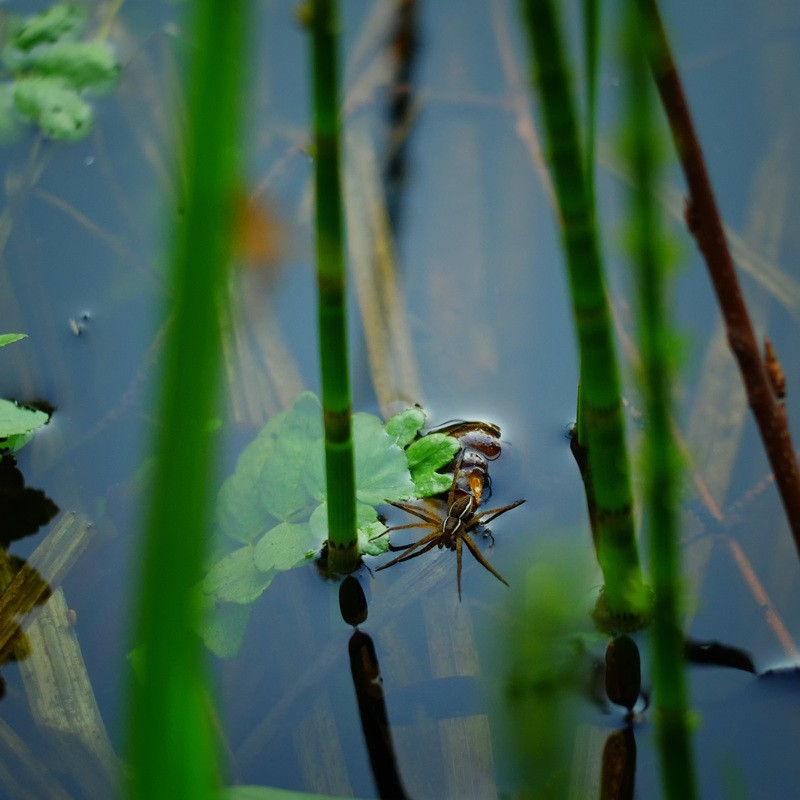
x=431, y=540
x=404, y=527
x=473, y=548
x=421, y=513
x=451, y=495
x=493, y=513
x=458, y=566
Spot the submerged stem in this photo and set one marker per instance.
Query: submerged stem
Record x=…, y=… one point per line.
x=661, y=463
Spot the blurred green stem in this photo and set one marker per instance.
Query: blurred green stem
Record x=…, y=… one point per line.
x=661, y=463
x=332, y=291
x=600, y=414
x=172, y=753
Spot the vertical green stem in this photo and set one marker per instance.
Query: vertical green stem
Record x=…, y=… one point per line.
x=172, y=753
x=601, y=405
x=661, y=463
x=332, y=291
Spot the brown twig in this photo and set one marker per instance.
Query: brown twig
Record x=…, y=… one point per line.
x=702, y=217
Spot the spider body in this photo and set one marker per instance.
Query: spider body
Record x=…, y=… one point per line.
x=450, y=531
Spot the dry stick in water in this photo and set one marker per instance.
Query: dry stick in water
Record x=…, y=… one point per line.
x=702, y=217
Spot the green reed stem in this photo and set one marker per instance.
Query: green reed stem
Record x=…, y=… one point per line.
x=600, y=399
x=661, y=463
x=332, y=290
x=172, y=752
x=591, y=52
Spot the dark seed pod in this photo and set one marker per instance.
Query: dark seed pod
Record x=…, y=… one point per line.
x=352, y=602
x=623, y=672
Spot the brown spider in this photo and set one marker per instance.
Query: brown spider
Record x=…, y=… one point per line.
x=448, y=531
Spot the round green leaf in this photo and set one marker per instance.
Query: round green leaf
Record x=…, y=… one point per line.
x=403, y=427
x=79, y=64
x=368, y=528
x=425, y=456
x=50, y=25
x=283, y=547
x=223, y=627
x=235, y=578
x=381, y=466
x=294, y=452
x=54, y=107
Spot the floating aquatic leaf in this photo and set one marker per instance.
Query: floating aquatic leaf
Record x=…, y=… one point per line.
x=8, y=338
x=381, y=466
x=368, y=527
x=404, y=427
x=236, y=579
x=17, y=422
x=285, y=546
x=240, y=512
x=292, y=459
x=50, y=25
x=427, y=455
x=223, y=627
x=55, y=107
x=78, y=64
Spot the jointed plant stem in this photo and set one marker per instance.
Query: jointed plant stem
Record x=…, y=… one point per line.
x=331, y=287
x=601, y=406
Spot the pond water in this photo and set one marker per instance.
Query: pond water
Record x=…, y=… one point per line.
x=478, y=329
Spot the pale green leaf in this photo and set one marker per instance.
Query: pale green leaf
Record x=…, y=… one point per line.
x=55, y=107
x=79, y=64
x=223, y=627
x=8, y=338
x=292, y=455
x=427, y=455
x=50, y=25
x=240, y=512
x=381, y=466
x=16, y=420
x=404, y=427
x=368, y=527
x=285, y=546
x=235, y=579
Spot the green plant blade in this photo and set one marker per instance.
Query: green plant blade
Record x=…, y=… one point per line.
x=172, y=751
x=18, y=421
x=8, y=338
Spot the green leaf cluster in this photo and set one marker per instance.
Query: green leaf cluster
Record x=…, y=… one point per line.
x=51, y=71
x=274, y=505
x=17, y=423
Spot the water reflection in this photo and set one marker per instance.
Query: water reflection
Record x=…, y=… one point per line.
x=368, y=685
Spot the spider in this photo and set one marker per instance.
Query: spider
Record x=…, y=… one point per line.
x=449, y=531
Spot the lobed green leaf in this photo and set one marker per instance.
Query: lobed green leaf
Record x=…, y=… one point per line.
x=50, y=25
x=78, y=64
x=54, y=106
x=425, y=457
x=404, y=427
